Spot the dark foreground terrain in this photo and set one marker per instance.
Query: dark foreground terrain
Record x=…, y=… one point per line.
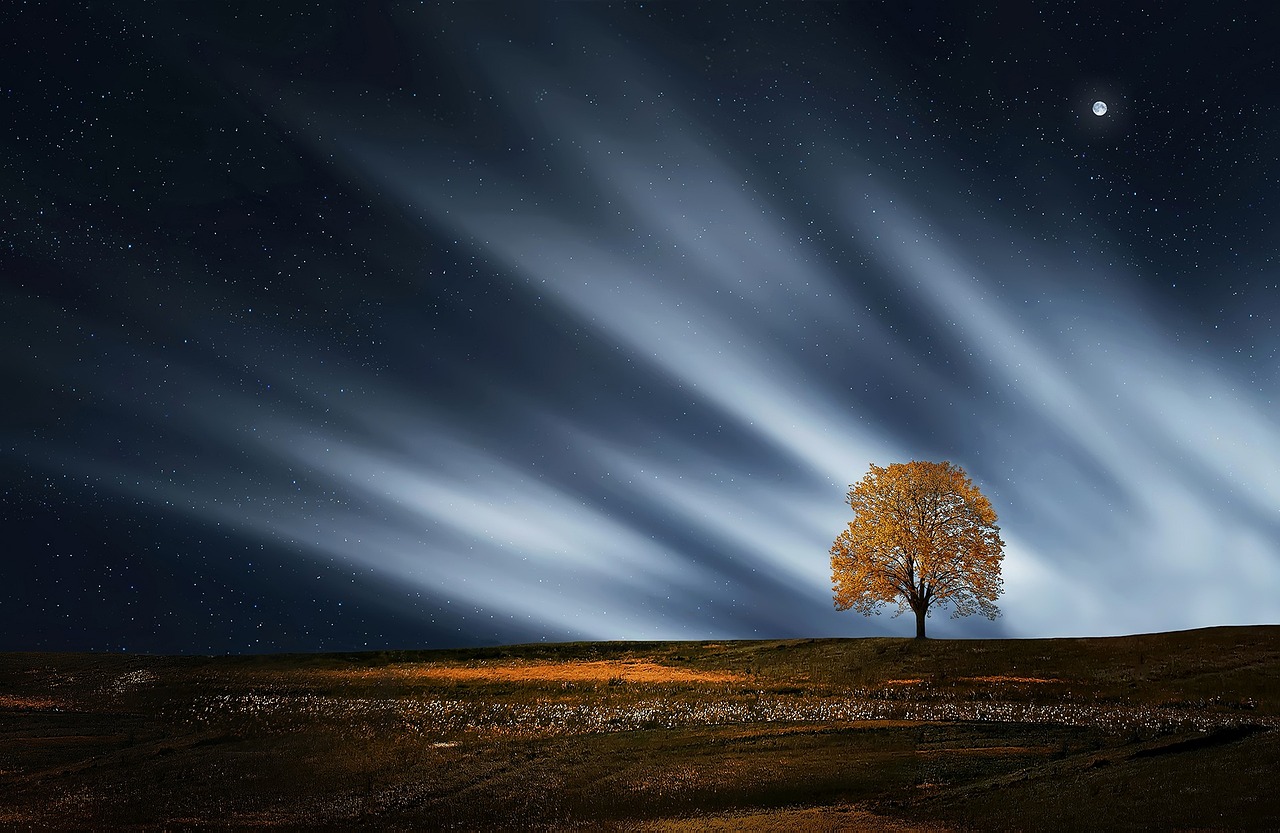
x=1173, y=730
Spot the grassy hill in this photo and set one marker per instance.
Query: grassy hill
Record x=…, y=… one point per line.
x=1140, y=732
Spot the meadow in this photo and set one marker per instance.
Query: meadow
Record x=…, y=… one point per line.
x=1174, y=730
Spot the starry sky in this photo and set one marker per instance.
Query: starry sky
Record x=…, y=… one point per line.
x=419, y=325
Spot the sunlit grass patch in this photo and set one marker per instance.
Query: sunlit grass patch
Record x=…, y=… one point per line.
x=26, y=703
x=630, y=671
x=508, y=672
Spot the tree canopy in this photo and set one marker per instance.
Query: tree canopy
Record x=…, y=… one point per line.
x=922, y=536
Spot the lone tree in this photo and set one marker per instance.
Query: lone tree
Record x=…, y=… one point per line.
x=922, y=535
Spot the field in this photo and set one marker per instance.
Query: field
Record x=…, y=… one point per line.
x=1160, y=731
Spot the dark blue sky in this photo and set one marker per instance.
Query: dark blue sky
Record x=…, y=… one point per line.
x=414, y=325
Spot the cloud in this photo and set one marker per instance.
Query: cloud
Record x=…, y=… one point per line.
x=774, y=344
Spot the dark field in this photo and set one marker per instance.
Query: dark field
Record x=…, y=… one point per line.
x=1147, y=732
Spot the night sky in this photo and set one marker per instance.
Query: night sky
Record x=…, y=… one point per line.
x=400, y=325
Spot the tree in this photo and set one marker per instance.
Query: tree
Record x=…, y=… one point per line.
x=922, y=536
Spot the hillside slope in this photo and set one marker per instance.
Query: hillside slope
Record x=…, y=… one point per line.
x=1160, y=730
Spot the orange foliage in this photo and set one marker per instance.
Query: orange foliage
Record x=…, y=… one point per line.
x=922, y=536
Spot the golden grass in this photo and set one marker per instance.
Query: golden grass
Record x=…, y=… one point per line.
x=13, y=701
x=598, y=671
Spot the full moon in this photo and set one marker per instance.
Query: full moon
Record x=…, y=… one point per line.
x=1099, y=108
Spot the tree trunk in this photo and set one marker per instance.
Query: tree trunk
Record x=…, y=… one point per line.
x=920, y=623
